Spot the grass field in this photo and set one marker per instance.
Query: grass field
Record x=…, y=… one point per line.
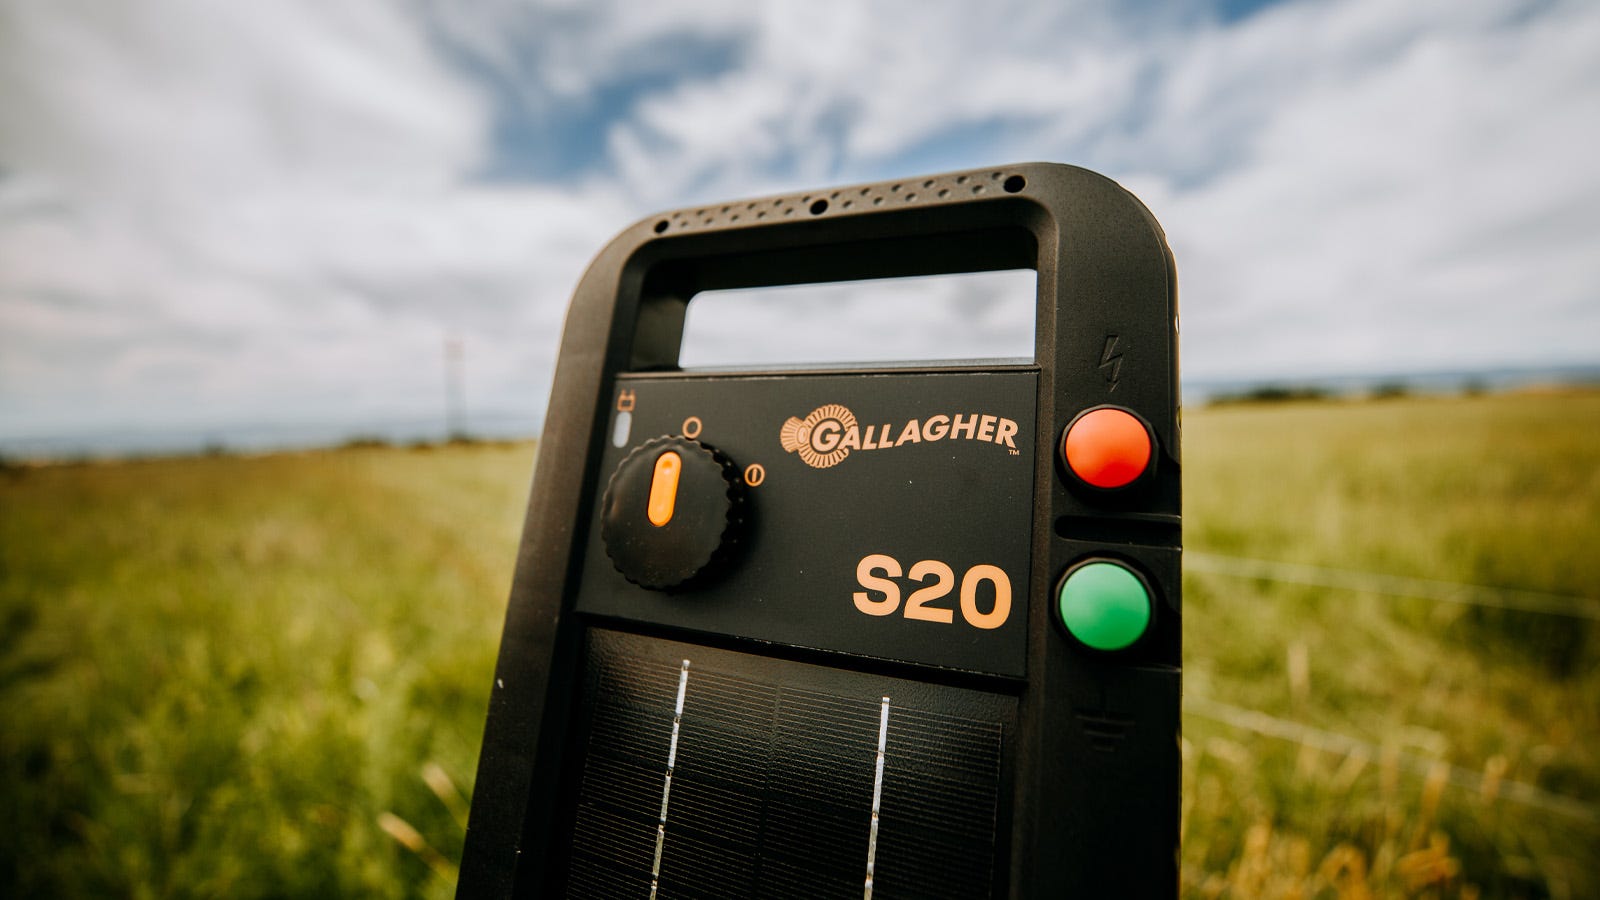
x=250, y=677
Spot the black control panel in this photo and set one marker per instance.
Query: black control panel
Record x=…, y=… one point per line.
x=904, y=632
x=946, y=460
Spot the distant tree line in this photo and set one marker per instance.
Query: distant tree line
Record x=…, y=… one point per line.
x=1300, y=393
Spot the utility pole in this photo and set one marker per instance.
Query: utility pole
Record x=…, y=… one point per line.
x=454, y=415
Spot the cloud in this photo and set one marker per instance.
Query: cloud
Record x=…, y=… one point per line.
x=281, y=211
x=223, y=214
x=161, y=103
x=1354, y=186
x=839, y=90
x=985, y=315
x=1423, y=202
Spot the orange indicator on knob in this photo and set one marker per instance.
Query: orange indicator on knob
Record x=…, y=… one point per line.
x=1107, y=447
x=664, y=488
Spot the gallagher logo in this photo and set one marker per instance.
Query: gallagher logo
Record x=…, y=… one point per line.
x=824, y=438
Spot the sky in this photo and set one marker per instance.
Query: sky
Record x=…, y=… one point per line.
x=218, y=217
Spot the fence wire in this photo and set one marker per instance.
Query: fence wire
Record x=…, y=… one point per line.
x=1332, y=742
x=1393, y=585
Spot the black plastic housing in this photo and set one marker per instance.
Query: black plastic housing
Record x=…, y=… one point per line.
x=1083, y=800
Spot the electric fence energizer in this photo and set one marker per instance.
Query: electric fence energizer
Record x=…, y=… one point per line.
x=851, y=632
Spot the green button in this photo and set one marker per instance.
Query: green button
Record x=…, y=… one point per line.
x=1104, y=605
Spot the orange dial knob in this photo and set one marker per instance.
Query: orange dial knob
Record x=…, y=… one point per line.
x=672, y=513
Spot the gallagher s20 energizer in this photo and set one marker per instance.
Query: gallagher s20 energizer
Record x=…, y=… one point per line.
x=903, y=632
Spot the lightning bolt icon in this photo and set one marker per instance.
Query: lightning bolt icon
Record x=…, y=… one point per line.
x=1111, y=361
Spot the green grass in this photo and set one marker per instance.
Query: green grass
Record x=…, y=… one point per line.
x=218, y=673
x=1499, y=491
x=231, y=676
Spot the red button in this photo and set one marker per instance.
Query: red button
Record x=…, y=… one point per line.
x=1108, y=448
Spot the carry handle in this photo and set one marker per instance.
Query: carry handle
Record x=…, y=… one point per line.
x=838, y=243
x=1105, y=276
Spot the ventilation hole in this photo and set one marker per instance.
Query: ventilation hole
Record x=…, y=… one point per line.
x=961, y=179
x=977, y=189
x=778, y=202
x=1015, y=183
x=788, y=212
x=845, y=205
x=834, y=195
x=734, y=217
x=866, y=191
x=750, y=206
x=761, y=214
x=877, y=201
x=995, y=175
x=928, y=183
x=661, y=226
x=894, y=188
x=819, y=207
x=944, y=192
x=911, y=198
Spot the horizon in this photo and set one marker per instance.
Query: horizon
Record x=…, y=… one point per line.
x=132, y=441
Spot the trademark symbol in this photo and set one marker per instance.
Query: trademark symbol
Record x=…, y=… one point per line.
x=1014, y=452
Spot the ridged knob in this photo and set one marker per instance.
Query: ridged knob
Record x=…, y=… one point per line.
x=672, y=513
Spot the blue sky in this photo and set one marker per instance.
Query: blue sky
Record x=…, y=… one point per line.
x=214, y=216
